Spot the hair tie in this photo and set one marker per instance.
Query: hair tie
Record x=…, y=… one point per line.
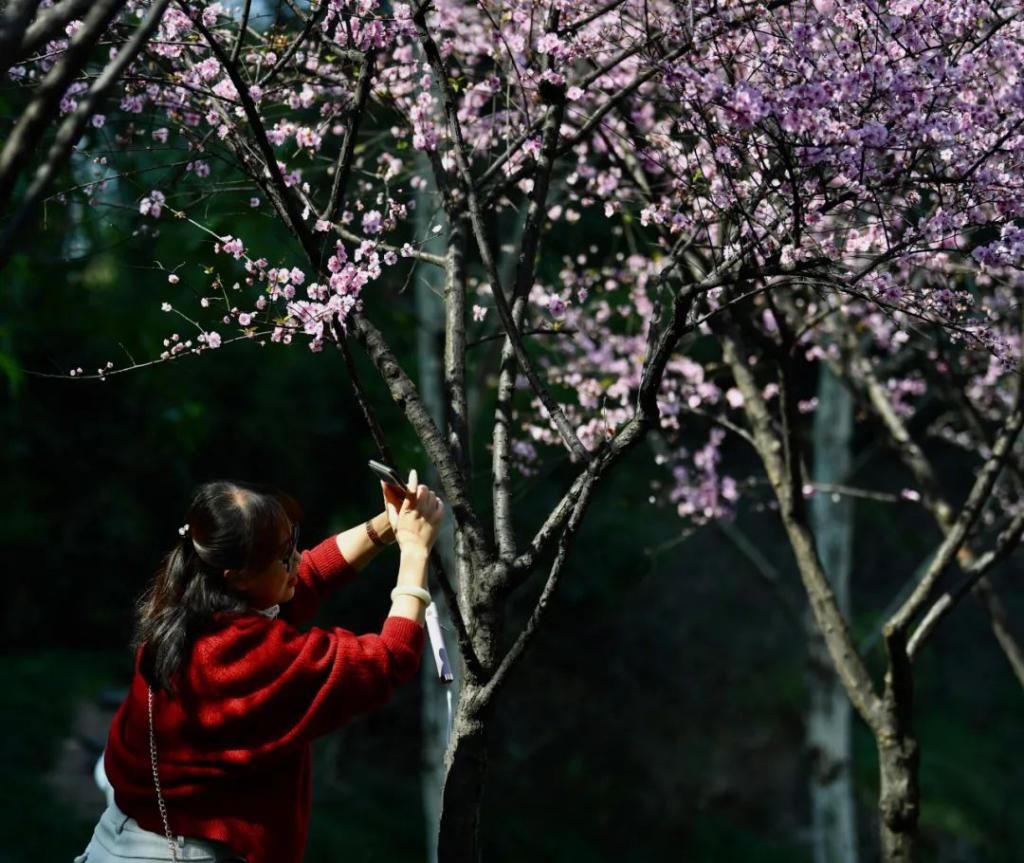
x=183, y=530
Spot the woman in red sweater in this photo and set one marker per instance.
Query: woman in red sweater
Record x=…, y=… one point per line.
x=209, y=755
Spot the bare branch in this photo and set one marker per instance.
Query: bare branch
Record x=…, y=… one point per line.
x=830, y=622
x=457, y=432
x=403, y=392
x=528, y=632
x=14, y=20
x=915, y=460
x=242, y=27
x=49, y=25
x=971, y=509
x=348, y=144
x=501, y=439
x=41, y=110
x=1006, y=544
x=72, y=127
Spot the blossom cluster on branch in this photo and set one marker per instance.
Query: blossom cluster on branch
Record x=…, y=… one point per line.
x=846, y=177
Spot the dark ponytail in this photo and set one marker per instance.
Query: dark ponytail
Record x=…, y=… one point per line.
x=231, y=525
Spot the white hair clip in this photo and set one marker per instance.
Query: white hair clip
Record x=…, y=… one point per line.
x=183, y=530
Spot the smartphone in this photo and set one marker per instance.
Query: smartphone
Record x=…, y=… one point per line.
x=388, y=474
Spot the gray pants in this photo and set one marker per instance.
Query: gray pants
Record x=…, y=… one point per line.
x=120, y=839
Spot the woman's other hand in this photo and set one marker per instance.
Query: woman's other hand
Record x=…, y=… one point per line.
x=415, y=517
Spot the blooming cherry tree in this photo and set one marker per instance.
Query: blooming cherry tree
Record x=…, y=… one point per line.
x=796, y=184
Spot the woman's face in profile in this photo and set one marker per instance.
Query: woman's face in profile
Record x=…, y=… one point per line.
x=275, y=584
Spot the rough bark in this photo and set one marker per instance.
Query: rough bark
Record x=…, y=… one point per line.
x=466, y=769
x=899, y=798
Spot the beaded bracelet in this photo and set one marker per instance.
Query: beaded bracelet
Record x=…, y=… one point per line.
x=374, y=536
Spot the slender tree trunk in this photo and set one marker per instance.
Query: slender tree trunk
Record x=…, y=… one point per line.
x=459, y=838
x=429, y=285
x=465, y=762
x=899, y=798
x=467, y=759
x=833, y=815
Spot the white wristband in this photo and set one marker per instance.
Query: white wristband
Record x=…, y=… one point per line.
x=409, y=590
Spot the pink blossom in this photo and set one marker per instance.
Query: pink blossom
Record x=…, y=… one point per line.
x=549, y=43
x=207, y=69
x=211, y=13
x=152, y=204
x=232, y=246
x=307, y=138
x=372, y=222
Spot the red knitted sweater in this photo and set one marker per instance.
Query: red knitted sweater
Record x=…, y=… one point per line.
x=233, y=744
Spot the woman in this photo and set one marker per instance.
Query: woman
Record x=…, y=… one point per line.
x=209, y=756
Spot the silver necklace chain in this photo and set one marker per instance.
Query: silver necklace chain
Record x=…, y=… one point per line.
x=156, y=782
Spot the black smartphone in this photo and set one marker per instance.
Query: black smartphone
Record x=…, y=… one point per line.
x=388, y=474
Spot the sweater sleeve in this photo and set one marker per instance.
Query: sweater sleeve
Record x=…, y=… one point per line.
x=269, y=686
x=322, y=570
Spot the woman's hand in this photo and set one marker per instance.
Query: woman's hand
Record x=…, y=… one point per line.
x=416, y=516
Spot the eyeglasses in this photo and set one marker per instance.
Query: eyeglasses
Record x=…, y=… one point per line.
x=293, y=543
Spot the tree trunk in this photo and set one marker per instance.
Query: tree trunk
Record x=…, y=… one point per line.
x=459, y=837
x=467, y=756
x=465, y=761
x=833, y=815
x=899, y=798
x=429, y=284
x=898, y=795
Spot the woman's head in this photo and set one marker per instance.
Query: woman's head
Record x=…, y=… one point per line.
x=237, y=552
x=247, y=534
